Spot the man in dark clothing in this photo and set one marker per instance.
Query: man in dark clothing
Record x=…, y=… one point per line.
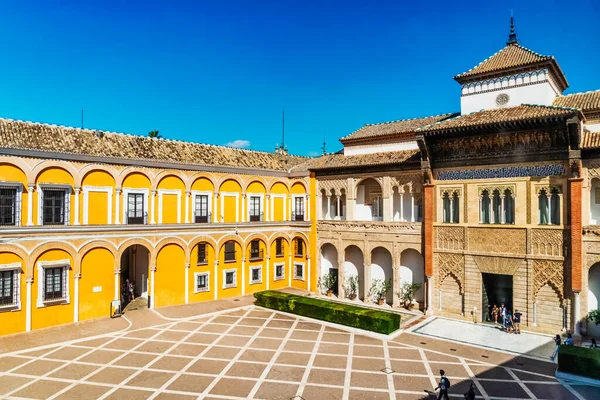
x=443, y=386
x=517, y=321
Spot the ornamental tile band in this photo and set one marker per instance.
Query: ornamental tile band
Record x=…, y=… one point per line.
x=504, y=172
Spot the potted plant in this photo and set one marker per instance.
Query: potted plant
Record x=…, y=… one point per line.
x=379, y=289
x=326, y=282
x=351, y=287
x=406, y=295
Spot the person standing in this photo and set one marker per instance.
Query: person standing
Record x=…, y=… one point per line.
x=508, y=322
x=131, y=290
x=503, y=314
x=495, y=313
x=444, y=385
x=569, y=340
x=557, y=342
x=517, y=321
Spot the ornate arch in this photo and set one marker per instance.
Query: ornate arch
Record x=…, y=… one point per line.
x=167, y=241
x=47, y=246
x=201, y=174
x=169, y=172
x=389, y=247
x=83, y=171
x=451, y=264
x=548, y=272
x=40, y=167
x=130, y=170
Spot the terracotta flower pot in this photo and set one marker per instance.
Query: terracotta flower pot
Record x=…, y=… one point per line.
x=352, y=297
x=329, y=293
x=380, y=302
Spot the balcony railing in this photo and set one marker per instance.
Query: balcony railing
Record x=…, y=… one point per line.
x=136, y=218
x=256, y=254
x=201, y=218
x=255, y=217
x=298, y=216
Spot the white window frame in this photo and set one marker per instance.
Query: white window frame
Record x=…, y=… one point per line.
x=161, y=193
x=195, y=193
x=101, y=189
x=201, y=290
x=18, y=199
x=303, y=197
x=275, y=277
x=222, y=195
x=68, y=190
x=254, y=268
x=126, y=193
x=41, y=276
x=234, y=284
x=261, y=206
x=296, y=277
x=17, y=269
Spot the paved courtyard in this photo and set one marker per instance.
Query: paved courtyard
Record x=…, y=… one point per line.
x=254, y=353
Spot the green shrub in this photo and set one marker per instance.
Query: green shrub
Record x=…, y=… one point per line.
x=579, y=361
x=343, y=314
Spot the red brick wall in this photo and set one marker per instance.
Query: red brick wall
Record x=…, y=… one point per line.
x=428, y=217
x=575, y=193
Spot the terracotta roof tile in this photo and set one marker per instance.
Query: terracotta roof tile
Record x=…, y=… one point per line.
x=393, y=128
x=499, y=115
x=584, y=101
x=511, y=56
x=591, y=140
x=332, y=161
x=60, y=139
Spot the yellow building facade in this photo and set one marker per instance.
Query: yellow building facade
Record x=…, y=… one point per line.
x=82, y=212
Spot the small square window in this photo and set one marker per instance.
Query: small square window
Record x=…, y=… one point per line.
x=255, y=275
x=299, y=271
x=279, y=271
x=230, y=278
x=202, y=280
x=54, y=282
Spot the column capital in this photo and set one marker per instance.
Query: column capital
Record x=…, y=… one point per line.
x=154, y=191
x=153, y=268
x=216, y=263
x=31, y=186
x=216, y=194
x=117, y=271
x=187, y=265
x=76, y=276
x=188, y=193
x=29, y=280
x=77, y=189
x=243, y=259
x=118, y=190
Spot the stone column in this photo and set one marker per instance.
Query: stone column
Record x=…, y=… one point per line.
x=117, y=206
x=502, y=213
x=308, y=272
x=29, y=282
x=328, y=216
x=480, y=209
x=30, y=190
x=186, y=289
x=367, y=281
x=188, y=205
x=76, y=219
x=243, y=276
x=395, y=285
x=402, y=206
x=412, y=207
x=268, y=274
x=267, y=202
x=216, y=280
x=319, y=206
x=350, y=209
x=243, y=217
x=429, y=307
x=152, y=208
x=215, y=208
x=341, y=280
x=339, y=205
x=76, y=278
x=576, y=315
x=152, y=276
x=117, y=284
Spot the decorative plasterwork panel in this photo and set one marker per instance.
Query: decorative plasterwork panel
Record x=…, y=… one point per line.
x=548, y=188
x=547, y=242
x=333, y=185
x=500, y=188
x=591, y=259
x=413, y=181
x=450, y=191
x=495, y=240
x=504, y=172
x=548, y=272
x=498, y=265
x=366, y=226
x=450, y=237
x=451, y=264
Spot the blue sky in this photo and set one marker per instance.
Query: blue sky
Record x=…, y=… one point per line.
x=222, y=71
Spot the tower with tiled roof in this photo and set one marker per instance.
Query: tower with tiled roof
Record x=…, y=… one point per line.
x=513, y=76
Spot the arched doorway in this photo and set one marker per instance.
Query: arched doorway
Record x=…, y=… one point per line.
x=412, y=271
x=381, y=268
x=329, y=264
x=134, y=268
x=354, y=266
x=593, y=297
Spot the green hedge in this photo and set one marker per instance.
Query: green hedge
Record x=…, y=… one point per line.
x=343, y=314
x=579, y=361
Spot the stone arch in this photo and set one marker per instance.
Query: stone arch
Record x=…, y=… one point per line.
x=354, y=265
x=226, y=178
x=21, y=253
x=201, y=174
x=254, y=236
x=166, y=241
x=253, y=179
x=42, y=166
x=202, y=239
x=130, y=170
x=169, y=172
x=277, y=235
x=129, y=242
x=593, y=297
x=46, y=246
x=83, y=171
x=301, y=234
x=20, y=164
x=299, y=182
x=382, y=267
x=412, y=270
x=93, y=244
x=274, y=182
x=227, y=238
x=330, y=257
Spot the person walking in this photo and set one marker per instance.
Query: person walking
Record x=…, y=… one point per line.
x=444, y=385
x=495, y=313
x=557, y=341
x=594, y=344
x=517, y=321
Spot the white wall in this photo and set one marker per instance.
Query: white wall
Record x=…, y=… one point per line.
x=594, y=208
x=539, y=93
x=362, y=212
x=141, y=271
x=380, y=148
x=381, y=268
x=412, y=270
x=328, y=259
x=354, y=266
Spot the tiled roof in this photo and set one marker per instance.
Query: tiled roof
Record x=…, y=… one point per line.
x=333, y=161
x=584, y=101
x=591, y=140
x=511, y=56
x=22, y=135
x=499, y=115
x=393, y=128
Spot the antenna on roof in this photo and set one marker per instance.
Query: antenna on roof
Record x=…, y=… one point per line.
x=280, y=148
x=82, y=118
x=324, y=148
x=512, y=36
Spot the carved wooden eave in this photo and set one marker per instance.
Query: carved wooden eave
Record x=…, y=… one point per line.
x=380, y=139
x=362, y=169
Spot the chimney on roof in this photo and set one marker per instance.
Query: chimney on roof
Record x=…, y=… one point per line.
x=512, y=36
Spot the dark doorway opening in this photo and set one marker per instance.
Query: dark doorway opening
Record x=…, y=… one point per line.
x=134, y=270
x=334, y=288
x=496, y=289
